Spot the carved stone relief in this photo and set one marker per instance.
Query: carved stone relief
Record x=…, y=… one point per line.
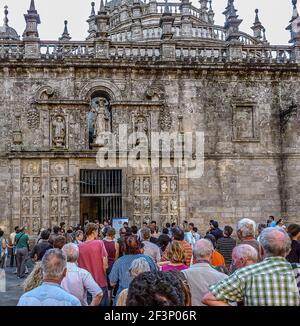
x=30, y=193
x=59, y=191
x=169, y=208
x=142, y=202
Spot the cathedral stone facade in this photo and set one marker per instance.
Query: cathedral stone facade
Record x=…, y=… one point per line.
x=155, y=67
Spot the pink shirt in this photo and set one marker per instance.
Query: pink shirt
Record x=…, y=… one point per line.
x=91, y=255
x=166, y=268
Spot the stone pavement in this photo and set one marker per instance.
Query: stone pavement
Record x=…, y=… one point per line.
x=13, y=288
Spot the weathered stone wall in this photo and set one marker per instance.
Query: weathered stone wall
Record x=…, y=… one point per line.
x=252, y=161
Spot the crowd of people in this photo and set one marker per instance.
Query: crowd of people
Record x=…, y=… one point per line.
x=174, y=266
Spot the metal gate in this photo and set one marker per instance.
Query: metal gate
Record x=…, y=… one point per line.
x=104, y=190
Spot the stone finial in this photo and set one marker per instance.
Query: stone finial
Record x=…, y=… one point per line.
x=257, y=27
x=5, y=16
x=65, y=35
x=32, y=19
x=294, y=26
x=232, y=22
x=166, y=8
x=203, y=10
x=93, y=12
x=102, y=8
x=211, y=13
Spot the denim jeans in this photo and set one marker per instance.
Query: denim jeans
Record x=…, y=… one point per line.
x=105, y=299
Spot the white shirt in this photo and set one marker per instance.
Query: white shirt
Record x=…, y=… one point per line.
x=78, y=282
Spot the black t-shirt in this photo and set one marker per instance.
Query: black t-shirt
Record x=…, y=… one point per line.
x=294, y=255
x=40, y=249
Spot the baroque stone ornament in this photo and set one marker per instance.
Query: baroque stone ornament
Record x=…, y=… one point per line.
x=33, y=118
x=165, y=118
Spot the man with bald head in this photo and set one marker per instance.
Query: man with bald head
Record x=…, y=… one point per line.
x=271, y=282
x=201, y=275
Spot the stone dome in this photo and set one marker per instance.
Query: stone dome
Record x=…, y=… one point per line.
x=7, y=32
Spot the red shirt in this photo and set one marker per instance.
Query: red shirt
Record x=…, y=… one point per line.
x=91, y=255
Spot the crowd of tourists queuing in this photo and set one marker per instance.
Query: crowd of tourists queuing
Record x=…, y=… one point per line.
x=92, y=265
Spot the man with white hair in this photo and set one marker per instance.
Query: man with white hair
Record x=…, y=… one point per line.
x=79, y=281
x=246, y=230
x=201, y=275
x=244, y=255
x=50, y=293
x=271, y=282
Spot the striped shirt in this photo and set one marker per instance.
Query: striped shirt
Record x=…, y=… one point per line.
x=225, y=246
x=271, y=282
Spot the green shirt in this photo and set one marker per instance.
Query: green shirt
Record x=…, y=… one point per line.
x=271, y=282
x=21, y=240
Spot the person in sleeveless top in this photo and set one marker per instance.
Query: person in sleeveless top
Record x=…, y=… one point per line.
x=113, y=248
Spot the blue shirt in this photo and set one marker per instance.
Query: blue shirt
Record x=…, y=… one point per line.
x=120, y=270
x=273, y=224
x=48, y=294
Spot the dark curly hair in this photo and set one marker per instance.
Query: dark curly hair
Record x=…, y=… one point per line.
x=155, y=289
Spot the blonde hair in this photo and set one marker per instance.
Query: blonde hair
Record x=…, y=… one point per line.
x=176, y=253
x=34, y=279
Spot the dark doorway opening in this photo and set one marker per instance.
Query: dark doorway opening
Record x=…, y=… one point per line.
x=101, y=194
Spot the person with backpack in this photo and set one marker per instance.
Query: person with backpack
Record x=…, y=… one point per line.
x=3, y=250
x=22, y=245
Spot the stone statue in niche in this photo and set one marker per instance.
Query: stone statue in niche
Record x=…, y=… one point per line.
x=147, y=219
x=137, y=204
x=141, y=128
x=174, y=205
x=136, y=185
x=36, y=225
x=26, y=206
x=64, y=206
x=36, y=186
x=26, y=186
x=54, y=186
x=173, y=185
x=164, y=185
x=59, y=131
x=54, y=206
x=36, y=207
x=146, y=204
x=164, y=206
x=64, y=185
x=101, y=121
x=147, y=186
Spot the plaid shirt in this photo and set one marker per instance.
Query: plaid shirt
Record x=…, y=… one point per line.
x=269, y=283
